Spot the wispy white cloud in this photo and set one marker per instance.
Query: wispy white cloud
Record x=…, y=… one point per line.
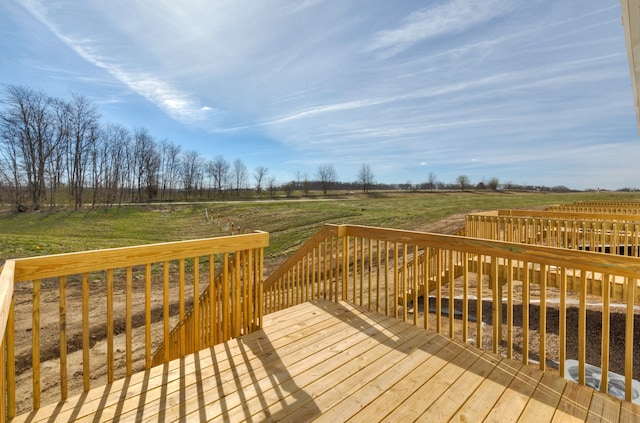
x=177, y=103
x=444, y=18
x=500, y=82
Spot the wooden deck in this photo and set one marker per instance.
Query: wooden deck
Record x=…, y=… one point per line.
x=334, y=362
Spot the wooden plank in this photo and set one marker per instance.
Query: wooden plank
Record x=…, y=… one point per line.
x=515, y=398
x=283, y=333
x=545, y=398
x=254, y=386
x=433, y=387
x=456, y=395
x=326, y=360
x=603, y=408
x=299, y=405
x=232, y=388
x=412, y=367
x=480, y=402
x=629, y=412
x=372, y=403
x=574, y=404
x=186, y=390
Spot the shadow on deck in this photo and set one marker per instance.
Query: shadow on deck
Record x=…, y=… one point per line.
x=333, y=362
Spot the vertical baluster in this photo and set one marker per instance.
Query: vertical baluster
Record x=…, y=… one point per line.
x=582, y=327
x=509, y=264
x=10, y=376
x=386, y=278
x=396, y=281
x=63, y=339
x=35, y=344
x=147, y=316
x=129, y=322
x=369, y=270
x=315, y=289
x=544, y=273
x=378, y=270
x=86, y=375
x=496, y=304
x=450, y=281
x=628, y=337
x=237, y=280
x=526, y=283
x=405, y=282
x=562, y=330
x=416, y=285
x=196, y=304
x=165, y=309
x=480, y=261
x=327, y=286
x=426, y=280
x=181, y=307
x=362, y=269
x=3, y=379
x=439, y=291
x=110, y=319
x=355, y=270
x=606, y=302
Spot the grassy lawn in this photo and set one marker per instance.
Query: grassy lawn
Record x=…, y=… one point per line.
x=290, y=223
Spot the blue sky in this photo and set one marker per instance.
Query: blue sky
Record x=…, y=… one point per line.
x=531, y=92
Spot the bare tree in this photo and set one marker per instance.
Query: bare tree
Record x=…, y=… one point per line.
x=365, y=177
x=431, y=181
x=84, y=120
x=328, y=176
x=288, y=188
x=463, y=182
x=239, y=175
x=191, y=167
x=272, y=186
x=219, y=169
x=169, y=168
x=259, y=174
x=118, y=142
x=27, y=130
x=305, y=184
x=493, y=184
x=96, y=163
x=147, y=164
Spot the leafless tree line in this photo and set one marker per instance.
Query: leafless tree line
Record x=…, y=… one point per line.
x=58, y=152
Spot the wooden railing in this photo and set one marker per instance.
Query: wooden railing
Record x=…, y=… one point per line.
x=606, y=236
x=224, y=310
x=617, y=217
x=471, y=280
x=627, y=208
x=109, y=291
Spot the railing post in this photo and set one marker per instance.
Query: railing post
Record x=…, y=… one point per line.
x=345, y=265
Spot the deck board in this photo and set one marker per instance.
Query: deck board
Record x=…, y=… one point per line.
x=334, y=362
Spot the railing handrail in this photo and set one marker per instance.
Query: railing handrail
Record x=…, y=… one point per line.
x=107, y=262
x=621, y=265
x=87, y=261
x=321, y=234
x=382, y=269
x=563, y=215
x=6, y=294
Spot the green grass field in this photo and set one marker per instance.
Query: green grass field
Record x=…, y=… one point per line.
x=290, y=223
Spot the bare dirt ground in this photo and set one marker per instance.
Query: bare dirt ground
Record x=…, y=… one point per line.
x=49, y=329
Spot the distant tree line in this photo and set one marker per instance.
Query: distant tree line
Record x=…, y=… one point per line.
x=59, y=152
